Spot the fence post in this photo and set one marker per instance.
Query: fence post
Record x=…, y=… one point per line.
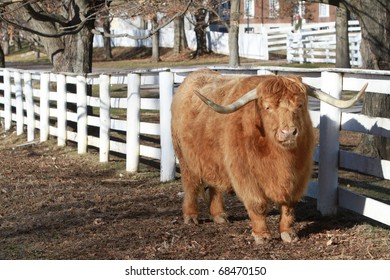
x=7, y=100
x=133, y=122
x=300, y=52
x=105, y=120
x=168, y=161
x=290, y=50
x=61, y=110
x=19, y=103
x=28, y=93
x=311, y=50
x=82, y=118
x=357, y=52
x=327, y=54
x=44, y=107
x=331, y=83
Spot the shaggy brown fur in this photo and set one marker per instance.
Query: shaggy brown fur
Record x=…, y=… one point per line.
x=263, y=151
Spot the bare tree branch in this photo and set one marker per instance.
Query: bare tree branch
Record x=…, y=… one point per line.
x=66, y=28
x=9, y=2
x=41, y=16
x=76, y=27
x=125, y=35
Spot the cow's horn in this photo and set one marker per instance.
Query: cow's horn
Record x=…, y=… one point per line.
x=243, y=100
x=334, y=101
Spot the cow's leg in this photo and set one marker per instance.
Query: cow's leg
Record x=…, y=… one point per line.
x=257, y=212
x=216, y=204
x=191, y=188
x=287, y=217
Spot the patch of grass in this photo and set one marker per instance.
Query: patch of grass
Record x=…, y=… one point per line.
x=309, y=65
x=26, y=56
x=134, y=58
x=376, y=188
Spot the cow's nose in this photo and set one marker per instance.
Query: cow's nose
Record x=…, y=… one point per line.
x=288, y=133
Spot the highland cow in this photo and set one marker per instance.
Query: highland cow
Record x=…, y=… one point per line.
x=248, y=134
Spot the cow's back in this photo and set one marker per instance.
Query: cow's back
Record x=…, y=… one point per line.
x=197, y=131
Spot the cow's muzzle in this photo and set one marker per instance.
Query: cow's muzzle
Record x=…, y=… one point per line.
x=287, y=136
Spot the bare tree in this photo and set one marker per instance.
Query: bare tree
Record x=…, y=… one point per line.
x=66, y=28
x=200, y=31
x=106, y=24
x=2, y=58
x=159, y=14
x=2, y=65
x=180, y=40
x=234, y=58
x=155, y=41
x=232, y=24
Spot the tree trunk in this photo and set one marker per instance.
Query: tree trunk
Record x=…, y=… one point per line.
x=183, y=43
x=77, y=54
x=2, y=59
x=234, y=58
x=200, y=32
x=374, y=18
x=176, y=36
x=155, y=42
x=2, y=65
x=342, y=40
x=107, y=40
x=18, y=43
x=5, y=46
x=375, y=105
x=180, y=40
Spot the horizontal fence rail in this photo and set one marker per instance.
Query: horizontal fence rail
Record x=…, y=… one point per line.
x=106, y=111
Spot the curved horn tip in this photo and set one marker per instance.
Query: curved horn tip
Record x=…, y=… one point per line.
x=342, y=104
x=363, y=90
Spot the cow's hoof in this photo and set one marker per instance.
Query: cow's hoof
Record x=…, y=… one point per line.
x=289, y=237
x=191, y=219
x=262, y=239
x=220, y=219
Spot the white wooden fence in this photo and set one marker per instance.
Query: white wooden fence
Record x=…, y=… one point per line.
x=38, y=101
x=318, y=44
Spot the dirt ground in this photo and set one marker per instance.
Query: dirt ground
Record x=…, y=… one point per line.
x=55, y=204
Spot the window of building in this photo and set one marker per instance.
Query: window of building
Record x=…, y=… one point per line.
x=249, y=7
x=224, y=10
x=273, y=8
x=323, y=10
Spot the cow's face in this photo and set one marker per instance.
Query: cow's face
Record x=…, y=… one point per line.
x=283, y=106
